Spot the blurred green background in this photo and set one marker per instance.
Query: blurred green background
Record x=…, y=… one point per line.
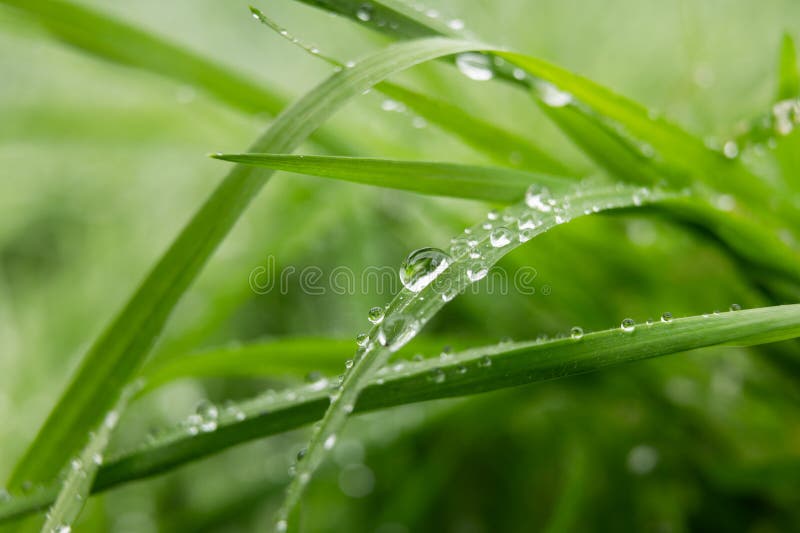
x=102, y=165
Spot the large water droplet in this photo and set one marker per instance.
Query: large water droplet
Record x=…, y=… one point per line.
x=421, y=267
x=329, y=442
x=362, y=339
x=666, y=317
x=628, y=325
x=375, y=315
x=474, y=66
x=396, y=330
x=730, y=149
x=501, y=237
x=735, y=307
x=576, y=333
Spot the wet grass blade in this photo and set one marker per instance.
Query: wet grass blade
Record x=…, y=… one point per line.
x=116, y=356
x=502, y=146
x=470, y=372
x=494, y=184
x=788, y=73
x=473, y=254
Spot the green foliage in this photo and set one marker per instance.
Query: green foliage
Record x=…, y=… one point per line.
x=668, y=218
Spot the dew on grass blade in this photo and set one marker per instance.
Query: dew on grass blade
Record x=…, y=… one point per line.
x=628, y=325
x=364, y=12
x=474, y=66
x=396, y=330
x=576, y=333
x=666, y=317
x=375, y=315
x=477, y=270
x=421, y=267
x=501, y=237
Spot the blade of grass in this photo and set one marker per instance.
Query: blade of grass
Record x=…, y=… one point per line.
x=473, y=371
x=493, y=184
x=280, y=357
x=788, y=73
x=116, y=356
x=502, y=146
x=411, y=309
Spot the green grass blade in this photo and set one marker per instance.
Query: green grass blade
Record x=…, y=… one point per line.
x=502, y=146
x=82, y=471
x=410, y=310
x=294, y=357
x=493, y=184
x=487, y=368
x=788, y=73
x=117, y=355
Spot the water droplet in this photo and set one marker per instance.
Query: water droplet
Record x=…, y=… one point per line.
x=735, y=307
x=375, y=315
x=97, y=459
x=396, y=330
x=576, y=333
x=419, y=123
x=552, y=96
x=527, y=221
x=474, y=66
x=459, y=246
x=456, y=24
x=477, y=270
x=301, y=453
x=485, y=361
x=500, y=237
x=362, y=339
x=786, y=114
x=62, y=529
x=446, y=352
x=666, y=317
x=642, y=459
x=730, y=149
x=538, y=198
x=330, y=442
x=518, y=74
x=628, y=325
x=206, y=416
x=281, y=526
x=448, y=294
x=461, y=369
x=436, y=376
x=348, y=364
x=364, y=12
x=421, y=267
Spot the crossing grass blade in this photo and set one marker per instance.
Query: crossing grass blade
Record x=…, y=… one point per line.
x=788, y=70
x=494, y=184
x=118, y=353
x=488, y=368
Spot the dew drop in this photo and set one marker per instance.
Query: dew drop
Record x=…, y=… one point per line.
x=448, y=294
x=456, y=24
x=474, y=66
x=330, y=442
x=375, y=315
x=518, y=74
x=628, y=325
x=552, y=96
x=500, y=237
x=538, y=198
x=437, y=376
x=364, y=12
x=362, y=339
x=666, y=317
x=281, y=526
x=348, y=364
x=493, y=214
x=735, y=307
x=730, y=149
x=576, y=333
x=301, y=453
x=485, y=362
x=421, y=267
x=477, y=270
x=396, y=330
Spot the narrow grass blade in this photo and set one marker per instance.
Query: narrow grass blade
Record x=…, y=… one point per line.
x=82, y=471
x=473, y=254
x=788, y=73
x=494, y=184
x=473, y=371
x=503, y=146
x=294, y=357
x=117, y=355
